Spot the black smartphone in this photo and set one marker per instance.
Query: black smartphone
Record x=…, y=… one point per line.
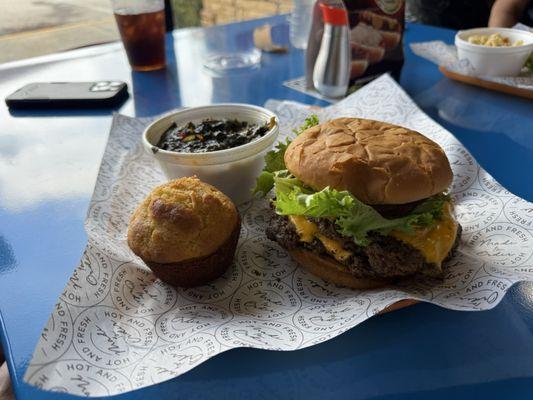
x=68, y=95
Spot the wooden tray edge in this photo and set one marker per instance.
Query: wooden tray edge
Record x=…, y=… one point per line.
x=499, y=87
x=398, y=305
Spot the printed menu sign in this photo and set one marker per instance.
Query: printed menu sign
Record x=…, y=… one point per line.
x=117, y=328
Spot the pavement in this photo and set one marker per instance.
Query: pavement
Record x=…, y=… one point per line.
x=30, y=28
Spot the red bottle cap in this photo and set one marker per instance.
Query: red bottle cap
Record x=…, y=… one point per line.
x=334, y=15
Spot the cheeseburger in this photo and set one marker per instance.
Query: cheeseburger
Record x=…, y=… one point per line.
x=361, y=203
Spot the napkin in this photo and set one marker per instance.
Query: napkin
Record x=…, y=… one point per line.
x=117, y=328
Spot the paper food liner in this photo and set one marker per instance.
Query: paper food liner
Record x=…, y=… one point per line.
x=445, y=55
x=116, y=328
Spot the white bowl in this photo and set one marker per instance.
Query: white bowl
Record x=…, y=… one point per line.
x=233, y=171
x=495, y=61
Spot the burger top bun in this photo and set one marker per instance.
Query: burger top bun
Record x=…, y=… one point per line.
x=378, y=163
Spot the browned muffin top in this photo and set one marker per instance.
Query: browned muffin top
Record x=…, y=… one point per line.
x=181, y=220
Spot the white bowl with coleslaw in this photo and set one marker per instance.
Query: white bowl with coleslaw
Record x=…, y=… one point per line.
x=498, y=60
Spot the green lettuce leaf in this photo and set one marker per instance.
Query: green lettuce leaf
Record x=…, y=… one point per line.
x=264, y=183
x=274, y=159
x=353, y=218
x=273, y=162
x=310, y=121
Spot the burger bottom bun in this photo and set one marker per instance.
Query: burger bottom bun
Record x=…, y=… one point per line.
x=331, y=271
x=202, y=270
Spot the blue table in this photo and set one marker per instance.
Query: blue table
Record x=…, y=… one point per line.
x=48, y=165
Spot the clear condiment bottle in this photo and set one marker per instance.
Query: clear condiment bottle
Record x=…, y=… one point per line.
x=300, y=22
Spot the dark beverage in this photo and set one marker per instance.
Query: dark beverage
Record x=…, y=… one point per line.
x=143, y=36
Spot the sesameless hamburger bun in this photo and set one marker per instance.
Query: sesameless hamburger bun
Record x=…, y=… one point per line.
x=378, y=163
x=397, y=221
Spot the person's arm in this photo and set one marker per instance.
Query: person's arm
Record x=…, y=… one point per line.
x=506, y=13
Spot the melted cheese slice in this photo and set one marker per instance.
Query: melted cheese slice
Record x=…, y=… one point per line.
x=308, y=231
x=434, y=243
x=334, y=247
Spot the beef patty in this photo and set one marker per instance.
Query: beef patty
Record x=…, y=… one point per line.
x=384, y=257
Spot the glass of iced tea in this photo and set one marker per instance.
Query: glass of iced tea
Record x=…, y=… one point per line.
x=142, y=27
